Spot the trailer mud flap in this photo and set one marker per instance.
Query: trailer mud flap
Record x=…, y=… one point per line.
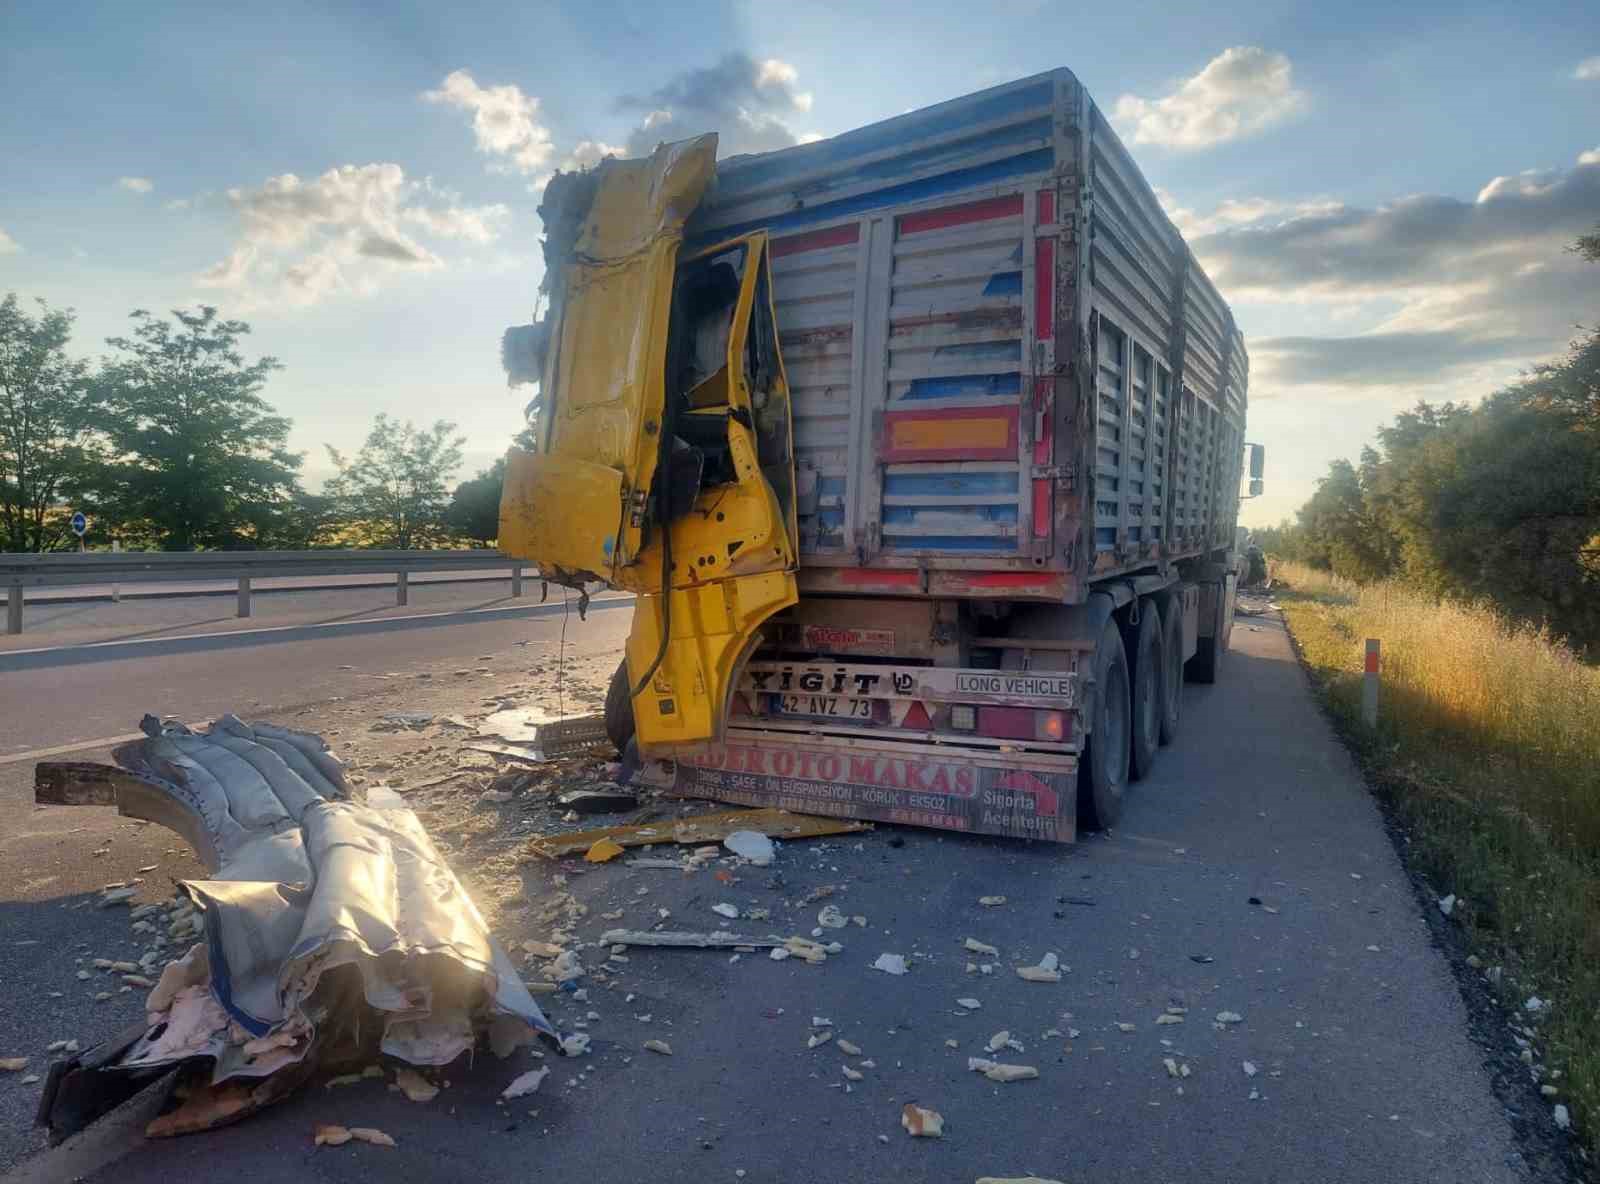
x=1003, y=794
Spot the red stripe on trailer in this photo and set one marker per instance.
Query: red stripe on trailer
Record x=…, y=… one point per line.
x=1006, y=579
x=863, y=575
x=1047, y=207
x=1044, y=288
x=973, y=211
x=1044, y=415
x=816, y=240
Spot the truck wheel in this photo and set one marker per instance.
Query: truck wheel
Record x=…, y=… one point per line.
x=1103, y=775
x=619, y=708
x=1208, y=650
x=1147, y=677
x=1171, y=668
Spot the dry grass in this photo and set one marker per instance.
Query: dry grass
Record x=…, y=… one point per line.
x=1488, y=749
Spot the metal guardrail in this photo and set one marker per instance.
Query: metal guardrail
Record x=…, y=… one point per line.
x=19, y=572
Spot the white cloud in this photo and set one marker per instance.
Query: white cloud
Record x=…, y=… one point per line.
x=136, y=184
x=8, y=245
x=1236, y=212
x=504, y=122
x=589, y=153
x=177, y=203
x=1458, y=294
x=746, y=101
x=1592, y=156
x=1240, y=92
x=300, y=241
x=1588, y=70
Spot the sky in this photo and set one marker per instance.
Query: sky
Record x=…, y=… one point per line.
x=1384, y=192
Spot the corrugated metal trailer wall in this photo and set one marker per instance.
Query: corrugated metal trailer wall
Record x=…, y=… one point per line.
x=958, y=405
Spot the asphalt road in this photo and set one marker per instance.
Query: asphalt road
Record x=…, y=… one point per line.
x=1366, y=1066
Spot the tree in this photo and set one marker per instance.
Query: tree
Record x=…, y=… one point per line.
x=48, y=448
x=395, y=490
x=201, y=453
x=475, y=506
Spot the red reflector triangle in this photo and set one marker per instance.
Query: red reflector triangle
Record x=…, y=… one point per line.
x=917, y=717
x=740, y=706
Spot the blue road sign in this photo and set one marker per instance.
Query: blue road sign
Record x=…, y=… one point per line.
x=80, y=524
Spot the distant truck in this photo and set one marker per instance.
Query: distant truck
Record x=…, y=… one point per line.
x=922, y=447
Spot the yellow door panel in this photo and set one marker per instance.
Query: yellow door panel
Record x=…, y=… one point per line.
x=604, y=379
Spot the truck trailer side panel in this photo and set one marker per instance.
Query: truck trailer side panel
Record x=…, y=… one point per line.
x=1003, y=356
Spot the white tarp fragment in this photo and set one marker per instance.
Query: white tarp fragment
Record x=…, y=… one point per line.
x=325, y=917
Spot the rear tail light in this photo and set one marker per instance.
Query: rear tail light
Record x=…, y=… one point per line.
x=963, y=717
x=1024, y=723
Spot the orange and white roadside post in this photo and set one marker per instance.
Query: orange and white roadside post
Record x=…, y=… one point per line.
x=1369, y=685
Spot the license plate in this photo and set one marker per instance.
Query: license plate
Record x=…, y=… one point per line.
x=829, y=707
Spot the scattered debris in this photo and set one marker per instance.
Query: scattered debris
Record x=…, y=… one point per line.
x=751, y=845
x=526, y=1084
x=817, y=1039
x=978, y=947
x=1015, y=1180
x=1447, y=904
x=415, y=1086
x=403, y=721
x=1169, y=1018
x=991, y=902
x=1249, y=1068
x=1562, y=1118
x=995, y=1071
x=575, y=1045
x=368, y=1134
x=1171, y=1066
x=597, y=801
x=891, y=963
x=116, y=896
x=708, y=941
x=1003, y=1039
x=1534, y=1004
x=1123, y=1027
x=1046, y=972
x=13, y=1064
x=921, y=1122
x=849, y=1049
x=658, y=1046
x=326, y=1134
x=969, y=1004
x=851, y=1074
x=829, y=917
x=602, y=851
x=1229, y=1017
x=700, y=828
x=1202, y=959
x=730, y=911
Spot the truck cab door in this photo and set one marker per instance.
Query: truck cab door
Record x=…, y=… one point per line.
x=731, y=542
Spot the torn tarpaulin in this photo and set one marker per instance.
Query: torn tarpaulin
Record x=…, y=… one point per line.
x=332, y=927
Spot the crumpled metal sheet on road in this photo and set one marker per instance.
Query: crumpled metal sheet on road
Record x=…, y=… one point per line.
x=329, y=923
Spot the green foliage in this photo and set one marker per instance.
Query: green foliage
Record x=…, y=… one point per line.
x=475, y=506
x=49, y=452
x=202, y=460
x=394, y=492
x=1497, y=503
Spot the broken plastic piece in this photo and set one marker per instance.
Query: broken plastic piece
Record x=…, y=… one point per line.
x=995, y=1071
x=700, y=828
x=658, y=1046
x=920, y=1122
x=415, y=1086
x=602, y=851
x=751, y=845
x=526, y=1084
x=991, y=902
x=891, y=963
x=977, y=947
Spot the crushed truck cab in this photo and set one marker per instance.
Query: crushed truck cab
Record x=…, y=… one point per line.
x=665, y=458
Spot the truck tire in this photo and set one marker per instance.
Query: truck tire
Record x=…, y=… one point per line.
x=619, y=708
x=1103, y=775
x=1146, y=679
x=1171, y=667
x=1202, y=667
